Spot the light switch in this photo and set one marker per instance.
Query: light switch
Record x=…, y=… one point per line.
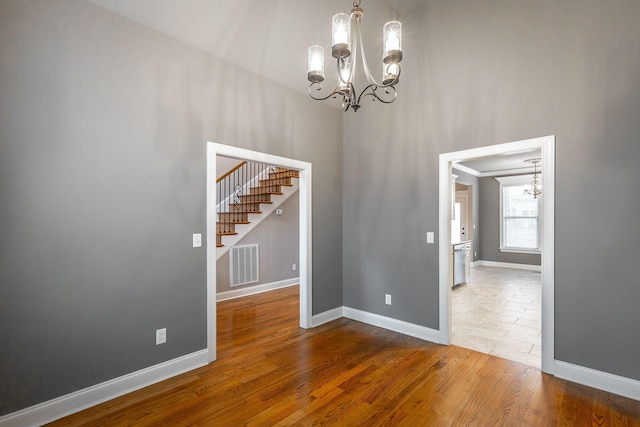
x=197, y=240
x=430, y=237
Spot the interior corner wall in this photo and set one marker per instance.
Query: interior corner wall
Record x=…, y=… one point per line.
x=278, y=242
x=484, y=72
x=103, y=130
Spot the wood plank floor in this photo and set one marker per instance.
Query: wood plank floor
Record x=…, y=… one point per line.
x=346, y=373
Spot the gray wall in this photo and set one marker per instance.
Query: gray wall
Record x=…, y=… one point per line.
x=103, y=125
x=225, y=164
x=277, y=237
x=483, y=72
x=490, y=226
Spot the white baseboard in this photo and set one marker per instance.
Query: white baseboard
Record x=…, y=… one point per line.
x=597, y=379
x=529, y=267
x=395, y=325
x=327, y=316
x=252, y=290
x=60, y=407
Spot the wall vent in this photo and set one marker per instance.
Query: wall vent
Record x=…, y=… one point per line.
x=243, y=264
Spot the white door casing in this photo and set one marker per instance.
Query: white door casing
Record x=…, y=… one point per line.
x=547, y=146
x=304, y=168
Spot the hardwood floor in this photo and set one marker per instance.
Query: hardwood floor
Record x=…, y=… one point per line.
x=498, y=312
x=346, y=373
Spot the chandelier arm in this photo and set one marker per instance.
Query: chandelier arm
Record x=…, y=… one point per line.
x=364, y=58
x=354, y=56
x=372, y=88
x=395, y=80
x=333, y=93
x=341, y=64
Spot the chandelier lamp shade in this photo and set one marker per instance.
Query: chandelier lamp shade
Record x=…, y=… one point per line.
x=346, y=46
x=535, y=189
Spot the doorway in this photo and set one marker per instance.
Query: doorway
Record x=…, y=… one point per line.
x=547, y=147
x=304, y=256
x=459, y=218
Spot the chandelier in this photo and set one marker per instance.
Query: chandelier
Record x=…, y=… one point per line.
x=535, y=189
x=346, y=43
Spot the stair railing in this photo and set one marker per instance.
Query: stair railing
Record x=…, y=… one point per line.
x=234, y=188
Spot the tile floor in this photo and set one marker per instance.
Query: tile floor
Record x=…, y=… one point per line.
x=498, y=312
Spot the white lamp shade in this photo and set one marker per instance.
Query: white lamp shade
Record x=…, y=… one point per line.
x=392, y=39
x=315, y=68
x=341, y=35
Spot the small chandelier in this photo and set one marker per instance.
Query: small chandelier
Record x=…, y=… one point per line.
x=346, y=42
x=536, y=189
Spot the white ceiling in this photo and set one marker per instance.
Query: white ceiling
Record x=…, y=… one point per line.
x=504, y=164
x=268, y=37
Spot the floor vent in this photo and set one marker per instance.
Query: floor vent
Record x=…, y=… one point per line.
x=243, y=264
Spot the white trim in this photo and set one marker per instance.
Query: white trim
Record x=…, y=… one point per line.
x=391, y=324
x=305, y=226
x=257, y=289
x=514, y=171
x=547, y=245
x=327, y=316
x=63, y=406
x=547, y=146
x=530, y=267
x=466, y=169
x=211, y=250
x=521, y=251
x=516, y=179
x=611, y=383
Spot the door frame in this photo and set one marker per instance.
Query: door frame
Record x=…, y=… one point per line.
x=304, y=188
x=547, y=146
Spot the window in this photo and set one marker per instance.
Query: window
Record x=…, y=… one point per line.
x=520, y=225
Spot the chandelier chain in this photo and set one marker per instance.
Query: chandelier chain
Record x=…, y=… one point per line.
x=356, y=3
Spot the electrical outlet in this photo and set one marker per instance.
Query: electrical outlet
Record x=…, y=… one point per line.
x=387, y=299
x=294, y=267
x=161, y=336
x=197, y=240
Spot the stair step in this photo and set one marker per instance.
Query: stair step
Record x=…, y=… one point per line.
x=256, y=198
x=226, y=228
x=272, y=189
x=253, y=208
x=237, y=217
x=275, y=181
x=283, y=173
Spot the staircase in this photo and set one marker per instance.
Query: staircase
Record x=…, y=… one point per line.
x=246, y=194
